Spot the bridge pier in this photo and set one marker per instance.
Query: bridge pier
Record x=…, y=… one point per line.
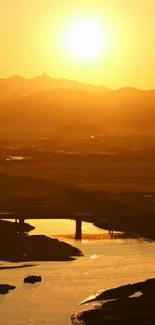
x=78, y=230
x=111, y=232
x=21, y=221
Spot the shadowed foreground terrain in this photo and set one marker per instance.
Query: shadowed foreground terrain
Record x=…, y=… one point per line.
x=106, y=178
x=122, y=211
x=120, y=308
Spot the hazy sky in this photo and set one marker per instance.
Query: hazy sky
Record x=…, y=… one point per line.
x=31, y=43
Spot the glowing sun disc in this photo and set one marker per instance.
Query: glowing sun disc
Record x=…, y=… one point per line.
x=86, y=40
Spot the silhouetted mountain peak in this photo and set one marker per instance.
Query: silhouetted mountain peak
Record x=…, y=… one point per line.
x=43, y=76
x=16, y=78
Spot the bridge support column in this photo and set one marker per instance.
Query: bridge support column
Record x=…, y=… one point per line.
x=78, y=231
x=21, y=226
x=21, y=221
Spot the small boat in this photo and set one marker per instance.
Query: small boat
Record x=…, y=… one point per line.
x=33, y=279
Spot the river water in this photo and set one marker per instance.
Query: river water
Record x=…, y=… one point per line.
x=106, y=263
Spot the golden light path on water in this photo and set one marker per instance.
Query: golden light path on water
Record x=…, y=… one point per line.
x=63, y=227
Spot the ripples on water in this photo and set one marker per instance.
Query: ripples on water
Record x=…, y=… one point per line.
x=106, y=263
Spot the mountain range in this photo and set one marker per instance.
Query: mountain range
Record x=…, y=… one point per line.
x=17, y=86
x=43, y=103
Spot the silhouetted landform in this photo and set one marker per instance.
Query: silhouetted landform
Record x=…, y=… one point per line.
x=9, y=227
x=17, y=86
x=111, y=181
x=136, y=227
x=5, y=288
x=20, y=248
x=128, y=212
x=129, y=304
x=44, y=104
x=8, y=267
x=41, y=198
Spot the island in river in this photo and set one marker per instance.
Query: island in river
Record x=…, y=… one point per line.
x=18, y=246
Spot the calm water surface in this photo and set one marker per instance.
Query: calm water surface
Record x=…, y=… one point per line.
x=105, y=264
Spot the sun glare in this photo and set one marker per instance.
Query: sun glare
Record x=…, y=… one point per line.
x=86, y=40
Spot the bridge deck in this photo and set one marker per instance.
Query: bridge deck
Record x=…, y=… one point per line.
x=13, y=216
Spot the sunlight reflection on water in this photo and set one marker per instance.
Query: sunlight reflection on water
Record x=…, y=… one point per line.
x=63, y=227
x=16, y=158
x=95, y=256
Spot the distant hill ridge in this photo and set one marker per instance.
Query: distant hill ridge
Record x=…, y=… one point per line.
x=17, y=84
x=44, y=81
x=42, y=103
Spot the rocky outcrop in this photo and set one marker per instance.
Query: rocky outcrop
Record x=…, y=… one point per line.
x=122, y=307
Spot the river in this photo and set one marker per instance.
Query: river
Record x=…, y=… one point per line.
x=106, y=263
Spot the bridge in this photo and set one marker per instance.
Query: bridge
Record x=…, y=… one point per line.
x=79, y=217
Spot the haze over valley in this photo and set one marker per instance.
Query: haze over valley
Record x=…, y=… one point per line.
x=45, y=104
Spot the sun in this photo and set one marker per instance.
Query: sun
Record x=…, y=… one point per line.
x=86, y=40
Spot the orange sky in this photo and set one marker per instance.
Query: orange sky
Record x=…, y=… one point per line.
x=30, y=40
